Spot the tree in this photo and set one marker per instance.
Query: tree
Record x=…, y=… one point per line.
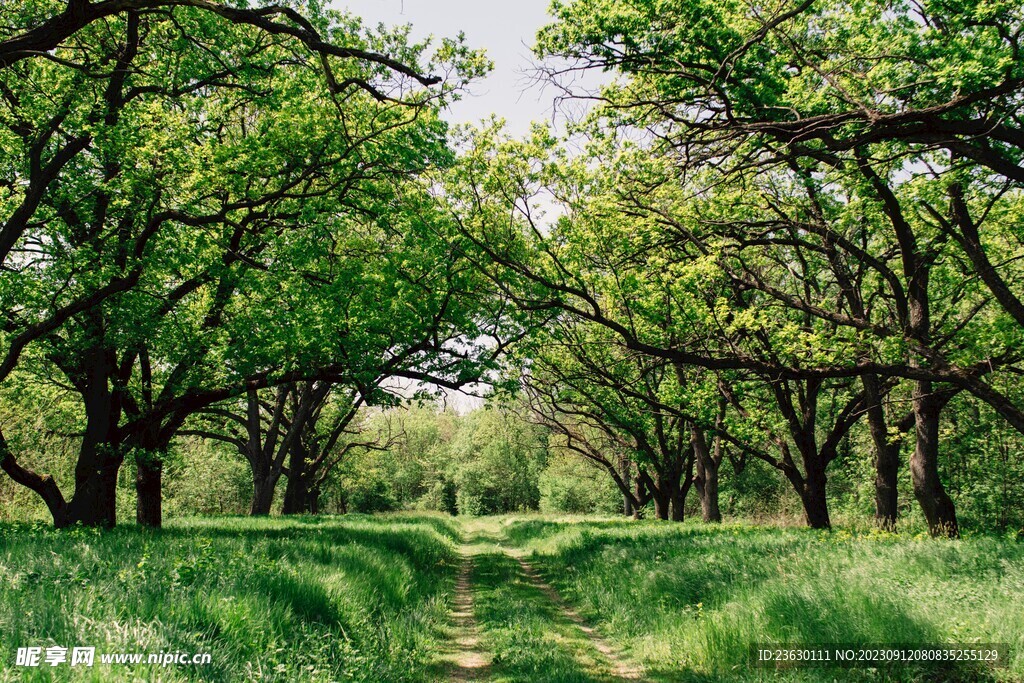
x=791, y=175
x=331, y=432
x=182, y=192
x=817, y=87
x=35, y=30
x=605, y=402
x=497, y=460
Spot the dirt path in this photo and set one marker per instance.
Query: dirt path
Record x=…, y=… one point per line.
x=617, y=665
x=468, y=657
x=468, y=661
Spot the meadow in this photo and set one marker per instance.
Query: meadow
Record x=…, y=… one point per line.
x=332, y=599
x=370, y=598
x=686, y=602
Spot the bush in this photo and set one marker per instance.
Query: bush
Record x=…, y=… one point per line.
x=204, y=478
x=374, y=496
x=442, y=497
x=573, y=485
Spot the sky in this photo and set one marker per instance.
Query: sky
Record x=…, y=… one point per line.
x=506, y=29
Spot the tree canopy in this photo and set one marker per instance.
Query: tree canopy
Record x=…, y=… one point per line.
x=787, y=233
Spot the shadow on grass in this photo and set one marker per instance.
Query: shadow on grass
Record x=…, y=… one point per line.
x=706, y=595
x=271, y=599
x=854, y=617
x=425, y=552
x=682, y=566
x=307, y=600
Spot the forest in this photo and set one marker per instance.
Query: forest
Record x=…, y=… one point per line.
x=313, y=379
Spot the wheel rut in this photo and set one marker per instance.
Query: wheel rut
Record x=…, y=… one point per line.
x=618, y=666
x=468, y=657
x=469, y=662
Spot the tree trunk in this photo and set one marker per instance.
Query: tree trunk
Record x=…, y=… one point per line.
x=887, y=458
x=679, y=501
x=149, y=468
x=100, y=456
x=661, y=505
x=301, y=495
x=663, y=499
x=812, y=495
x=938, y=507
x=296, y=493
x=681, y=488
x=95, y=499
x=707, y=490
x=262, y=494
x=99, y=460
x=678, y=505
x=300, y=498
x=706, y=481
x=148, y=485
x=662, y=492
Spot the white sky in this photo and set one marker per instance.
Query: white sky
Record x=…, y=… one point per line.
x=505, y=29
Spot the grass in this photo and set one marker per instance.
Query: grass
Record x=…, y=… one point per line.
x=367, y=598
x=333, y=599
x=688, y=601
x=529, y=638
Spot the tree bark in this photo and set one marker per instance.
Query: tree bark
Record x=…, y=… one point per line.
x=706, y=481
x=678, y=505
x=681, y=488
x=299, y=494
x=149, y=489
x=95, y=499
x=938, y=507
x=662, y=491
x=661, y=505
x=262, y=494
x=812, y=495
x=100, y=455
x=887, y=457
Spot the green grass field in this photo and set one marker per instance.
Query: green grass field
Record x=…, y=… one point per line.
x=687, y=602
x=369, y=598
x=337, y=599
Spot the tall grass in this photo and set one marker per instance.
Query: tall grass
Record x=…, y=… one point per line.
x=689, y=601
x=366, y=598
x=333, y=599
